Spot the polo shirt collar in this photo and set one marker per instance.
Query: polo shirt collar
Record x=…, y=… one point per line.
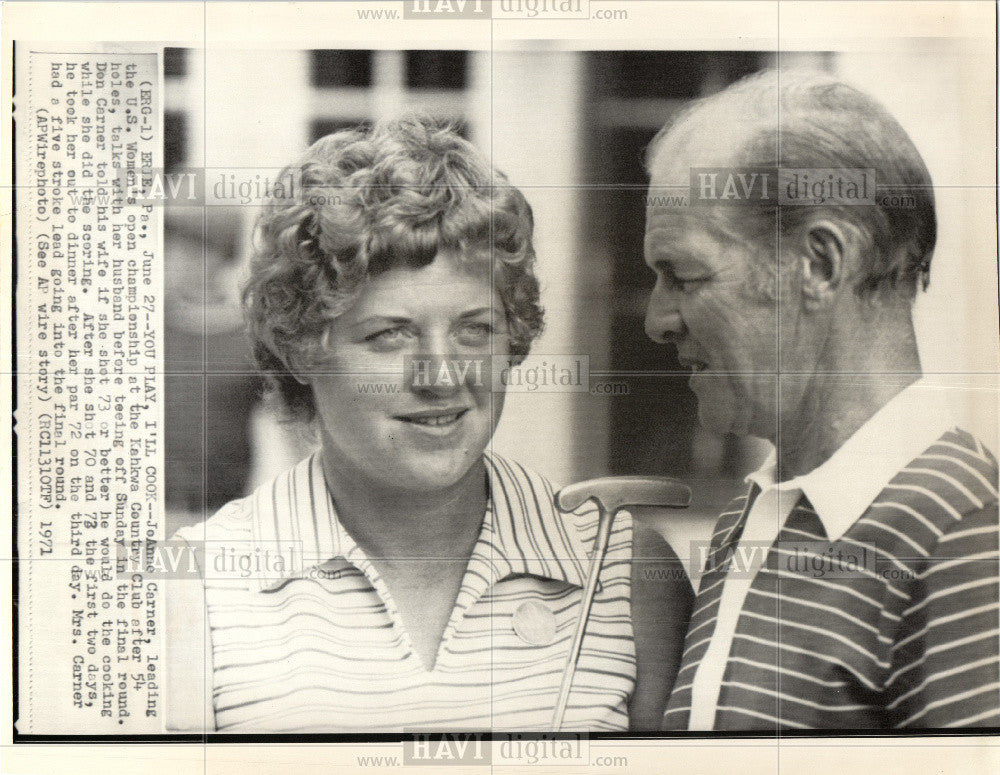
x=527, y=534
x=293, y=518
x=843, y=487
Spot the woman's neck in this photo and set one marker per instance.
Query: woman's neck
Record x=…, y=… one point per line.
x=394, y=524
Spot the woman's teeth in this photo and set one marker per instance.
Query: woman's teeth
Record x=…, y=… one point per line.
x=444, y=419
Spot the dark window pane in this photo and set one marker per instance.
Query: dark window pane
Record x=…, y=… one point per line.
x=207, y=438
x=340, y=68
x=436, y=69
x=670, y=74
x=654, y=428
x=175, y=62
x=174, y=140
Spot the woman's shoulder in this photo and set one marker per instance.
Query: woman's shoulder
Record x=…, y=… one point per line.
x=527, y=490
x=231, y=520
x=235, y=519
x=508, y=468
x=527, y=486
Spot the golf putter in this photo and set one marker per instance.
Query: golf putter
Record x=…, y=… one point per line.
x=612, y=494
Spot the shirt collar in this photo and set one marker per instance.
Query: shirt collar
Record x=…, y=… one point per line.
x=842, y=488
x=528, y=534
x=293, y=518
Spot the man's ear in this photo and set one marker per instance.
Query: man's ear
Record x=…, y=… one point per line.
x=824, y=256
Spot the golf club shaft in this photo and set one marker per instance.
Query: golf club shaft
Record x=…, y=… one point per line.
x=600, y=550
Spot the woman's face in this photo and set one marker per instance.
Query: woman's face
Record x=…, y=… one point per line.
x=404, y=395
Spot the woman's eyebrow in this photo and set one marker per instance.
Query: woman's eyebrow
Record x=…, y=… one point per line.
x=381, y=319
x=472, y=313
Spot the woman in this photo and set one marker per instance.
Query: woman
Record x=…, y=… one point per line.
x=424, y=582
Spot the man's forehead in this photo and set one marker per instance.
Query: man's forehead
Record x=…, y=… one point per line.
x=702, y=145
x=671, y=229
x=675, y=221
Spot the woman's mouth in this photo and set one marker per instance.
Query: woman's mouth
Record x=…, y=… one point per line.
x=433, y=419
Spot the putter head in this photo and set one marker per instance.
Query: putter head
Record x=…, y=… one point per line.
x=616, y=492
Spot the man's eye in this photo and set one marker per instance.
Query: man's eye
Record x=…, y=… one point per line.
x=671, y=280
x=685, y=284
x=689, y=284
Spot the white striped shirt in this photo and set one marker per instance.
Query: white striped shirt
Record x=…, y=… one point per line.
x=907, y=638
x=318, y=645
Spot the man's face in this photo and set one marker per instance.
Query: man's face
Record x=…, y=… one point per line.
x=725, y=328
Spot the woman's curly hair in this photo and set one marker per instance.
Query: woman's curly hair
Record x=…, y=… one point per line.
x=367, y=200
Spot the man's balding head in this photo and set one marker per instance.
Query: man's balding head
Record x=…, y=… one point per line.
x=806, y=121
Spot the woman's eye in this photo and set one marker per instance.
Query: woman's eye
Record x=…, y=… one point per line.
x=475, y=333
x=389, y=337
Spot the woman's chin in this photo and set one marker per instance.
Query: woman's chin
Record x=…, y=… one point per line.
x=432, y=472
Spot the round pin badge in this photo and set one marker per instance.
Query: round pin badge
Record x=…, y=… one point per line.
x=535, y=624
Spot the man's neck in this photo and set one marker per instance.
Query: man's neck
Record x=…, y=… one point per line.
x=856, y=377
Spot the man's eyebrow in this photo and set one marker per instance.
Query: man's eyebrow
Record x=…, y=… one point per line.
x=671, y=255
x=679, y=263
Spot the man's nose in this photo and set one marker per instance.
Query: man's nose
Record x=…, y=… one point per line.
x=663, y=319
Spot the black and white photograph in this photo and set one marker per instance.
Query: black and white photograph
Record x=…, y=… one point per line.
x=603, y=385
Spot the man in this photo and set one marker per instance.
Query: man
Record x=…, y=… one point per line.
x=871, y=596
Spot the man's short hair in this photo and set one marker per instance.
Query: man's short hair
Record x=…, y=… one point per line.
x=806, y=120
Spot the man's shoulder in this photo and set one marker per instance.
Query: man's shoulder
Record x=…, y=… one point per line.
x=954, y=477
x=957, y=467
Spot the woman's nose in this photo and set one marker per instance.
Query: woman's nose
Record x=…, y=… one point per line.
x=663, y=319
x=439, y=369
x=434, y=375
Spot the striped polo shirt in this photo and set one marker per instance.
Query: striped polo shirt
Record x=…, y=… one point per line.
x=891, y=621
x=314, y=643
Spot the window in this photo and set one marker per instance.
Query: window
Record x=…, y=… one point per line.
x=340, y=68
x=436, y=69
